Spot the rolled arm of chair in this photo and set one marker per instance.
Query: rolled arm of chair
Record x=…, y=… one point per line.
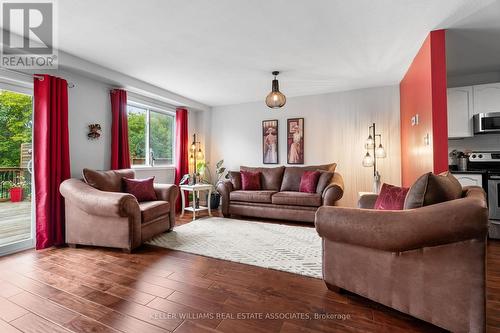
x=224, y=187
x=96, y=202
x=334, y=191
x=167, y=192
x=398, y=231
x=367, y=201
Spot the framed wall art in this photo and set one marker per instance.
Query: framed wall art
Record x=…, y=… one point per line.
x=295, y=140
x=270, y=142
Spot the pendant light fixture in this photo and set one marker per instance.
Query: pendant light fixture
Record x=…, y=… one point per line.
x=275, y=99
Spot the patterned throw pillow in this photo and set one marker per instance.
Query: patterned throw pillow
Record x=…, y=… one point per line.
x=391, y=197
x=142, y=189
x=309, y=181
x=250, y=181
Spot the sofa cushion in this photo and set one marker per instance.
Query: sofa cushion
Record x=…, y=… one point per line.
x=151, y=210
x=251, y=196
x=270, y=177
x=297, y=199
x=250, y=181
x=324, y=180
x=235, y=177
x=292, y=175
x=109, y=181
x=141, y=189
x=391, y=197
x=309, y=181
x=431, y=189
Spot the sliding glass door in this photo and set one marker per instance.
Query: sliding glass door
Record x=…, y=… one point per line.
x=16, y=199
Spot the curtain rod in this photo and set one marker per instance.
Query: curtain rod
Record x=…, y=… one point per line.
x=146, y=99
x=38, y=77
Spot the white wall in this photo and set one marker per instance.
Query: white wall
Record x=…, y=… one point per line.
x=336, y=126
x=88, y=103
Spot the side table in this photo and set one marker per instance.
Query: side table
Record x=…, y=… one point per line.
x=196, y=188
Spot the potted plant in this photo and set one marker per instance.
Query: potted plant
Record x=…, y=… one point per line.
x=15, y=189
x=221, y=174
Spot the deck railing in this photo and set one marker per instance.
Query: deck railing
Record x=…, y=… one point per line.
x=14, y=175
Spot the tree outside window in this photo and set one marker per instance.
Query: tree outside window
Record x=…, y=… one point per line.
x=151, y=136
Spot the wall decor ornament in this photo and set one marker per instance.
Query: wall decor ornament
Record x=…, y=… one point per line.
x=94, y=131
x=270, y=142
x=295, y=140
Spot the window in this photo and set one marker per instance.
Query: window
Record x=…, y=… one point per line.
x=150, y=136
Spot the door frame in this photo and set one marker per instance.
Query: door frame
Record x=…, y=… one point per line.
x=27, y=89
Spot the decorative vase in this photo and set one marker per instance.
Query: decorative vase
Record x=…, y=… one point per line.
x=16, y=194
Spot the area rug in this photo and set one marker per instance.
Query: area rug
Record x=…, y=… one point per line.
x=286, y=248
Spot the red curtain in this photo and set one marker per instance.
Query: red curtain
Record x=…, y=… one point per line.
x=120, y=154
x=181, y=147
x=51, y=155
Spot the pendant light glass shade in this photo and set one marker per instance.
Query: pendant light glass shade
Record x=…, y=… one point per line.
x=368, y=160
x=199, y=155
x=275, y=99
x=370, y=143
x=380, y=152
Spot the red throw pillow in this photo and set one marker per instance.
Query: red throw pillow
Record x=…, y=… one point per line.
x=391, y=197
x=250, y=181
x=142, y=189
x=309, y=181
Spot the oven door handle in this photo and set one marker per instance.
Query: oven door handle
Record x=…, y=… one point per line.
x=494, y=177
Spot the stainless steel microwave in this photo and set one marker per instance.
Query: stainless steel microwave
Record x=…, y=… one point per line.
x=487, y=123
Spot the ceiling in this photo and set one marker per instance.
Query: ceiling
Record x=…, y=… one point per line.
x=473, y=44
x=222, y=52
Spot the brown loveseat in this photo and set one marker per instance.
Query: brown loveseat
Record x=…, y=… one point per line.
x=279, y=197
x=98, y=213
x=428, y=262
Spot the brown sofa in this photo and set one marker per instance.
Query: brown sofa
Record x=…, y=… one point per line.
x=428, y=262
x=98, y=213
x=279, y=197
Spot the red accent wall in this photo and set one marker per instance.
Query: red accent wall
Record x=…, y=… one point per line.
x=423, y=92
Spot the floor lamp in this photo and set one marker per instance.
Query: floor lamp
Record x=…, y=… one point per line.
x=195, y=155
x=378, y=152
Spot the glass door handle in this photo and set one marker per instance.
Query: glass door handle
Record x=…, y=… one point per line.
x=30, y=166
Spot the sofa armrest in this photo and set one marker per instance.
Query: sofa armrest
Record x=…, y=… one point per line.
x=166, y=192
x=100, y=203
x=367, y=201
x=334, y=191
x=170, y=193
x=397, y=231
x=224, y=187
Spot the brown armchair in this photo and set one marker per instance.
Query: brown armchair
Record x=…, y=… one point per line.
x=99, y=214
x=428, y=262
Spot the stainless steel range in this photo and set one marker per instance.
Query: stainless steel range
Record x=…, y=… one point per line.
x=489, y=162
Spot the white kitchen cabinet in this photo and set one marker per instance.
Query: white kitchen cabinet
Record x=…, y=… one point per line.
x=486, y=98
x=460, y=104
x=469, y=179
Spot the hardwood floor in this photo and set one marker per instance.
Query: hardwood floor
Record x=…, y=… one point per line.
x=159, y=290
